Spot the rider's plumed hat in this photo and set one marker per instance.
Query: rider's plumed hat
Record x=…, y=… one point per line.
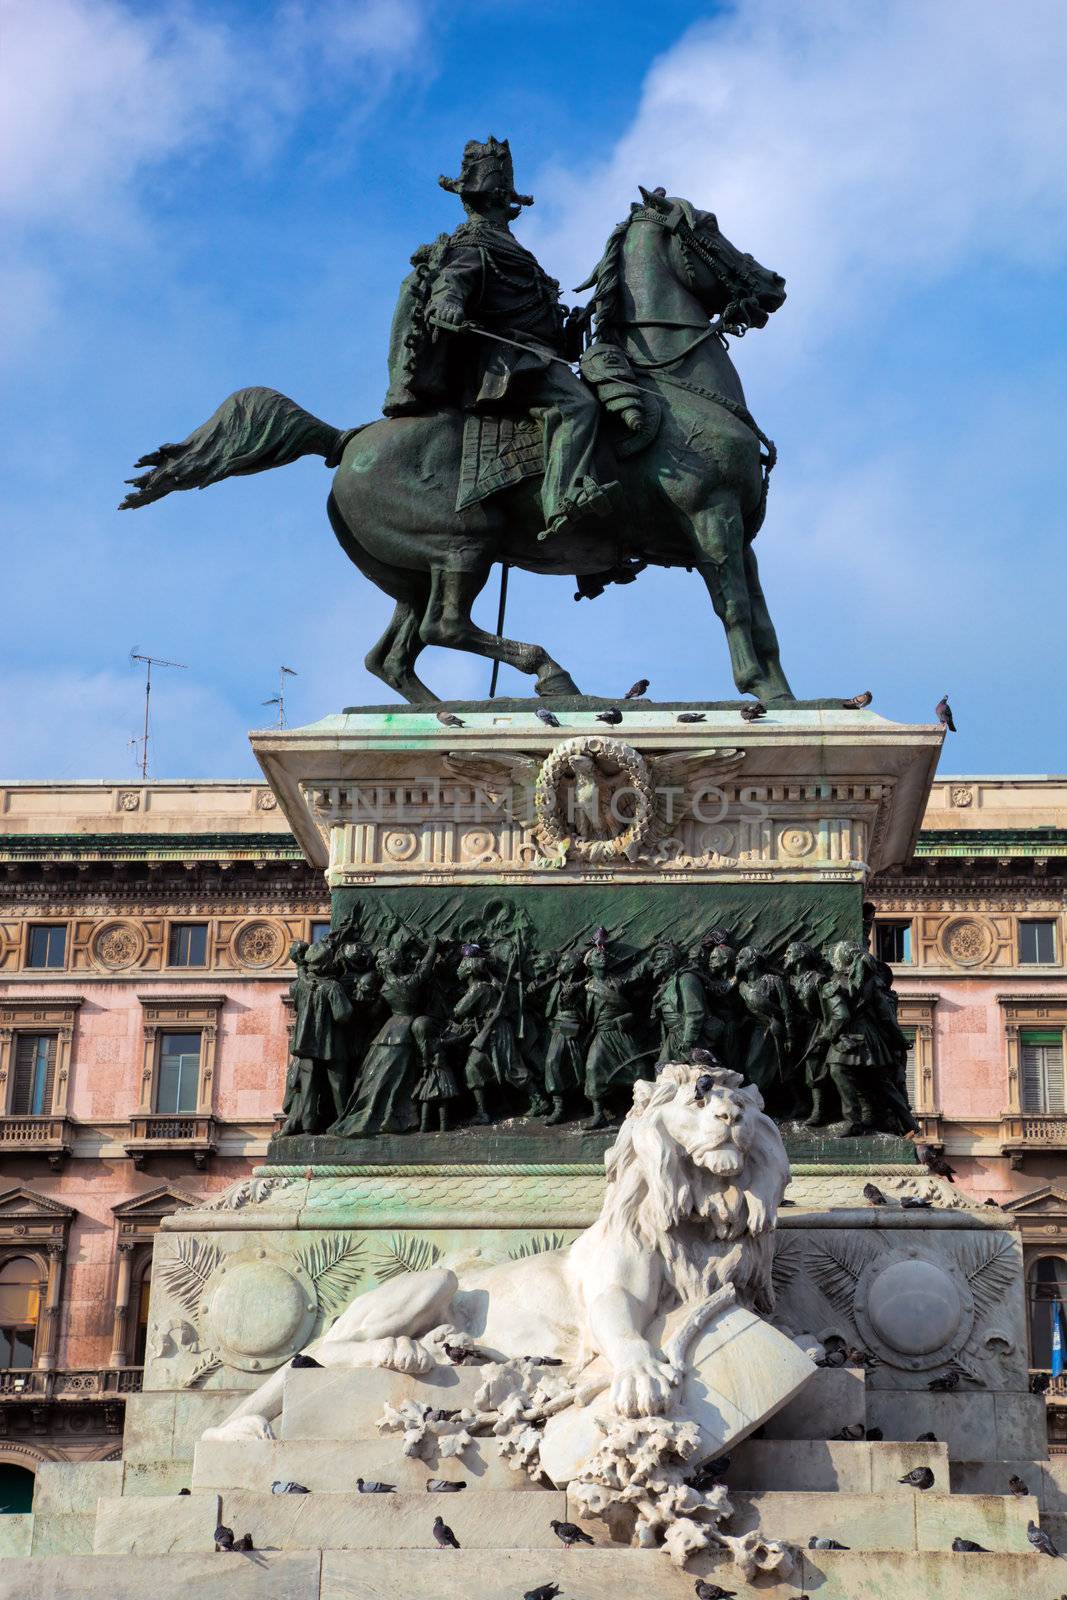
x=485, y=168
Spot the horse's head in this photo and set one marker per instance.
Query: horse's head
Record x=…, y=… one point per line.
x=727, y=282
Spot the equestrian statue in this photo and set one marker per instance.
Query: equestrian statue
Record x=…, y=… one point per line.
x=594, y=441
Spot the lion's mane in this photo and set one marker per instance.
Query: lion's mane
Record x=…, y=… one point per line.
x=697, y=1219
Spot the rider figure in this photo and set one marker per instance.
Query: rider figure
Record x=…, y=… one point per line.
x=481, y=277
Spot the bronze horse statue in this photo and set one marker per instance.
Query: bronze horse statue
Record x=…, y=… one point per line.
x=667, y=289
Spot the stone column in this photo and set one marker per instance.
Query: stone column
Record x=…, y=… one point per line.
x=47, y=1359
x=119, y=1356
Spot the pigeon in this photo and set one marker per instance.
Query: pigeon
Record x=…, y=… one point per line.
x=374, y=1486
x=1016, y=1485
x=612, y=716
x=911, y=1202
x=852, y=1431
x=815, y=1543
x=989, y=1201
x=711, y=1473
x=934, y=1161
x=547, y=1591
x=244, y=1542
x=690, y=716
x=223, y=1537
x=548, y=717
x=1040, y=1540
x=569, y=1533
x=926, y=1438
x=944, y=1385
x=712, y=1591
x=286, y=1486
x=460, y=1356
x=967, y=1547
x=857, y=701
x=875, y=1435
x=832, y=1358
x=943, y=713
x=1039, y=1382
x=873, y=1195
x=855, y=1357
x=445, y=1485
x=183, y=1491
x=636, y=690
x=752, y=710
x=918, y=1478
x=449, y=719
x=443, y=1535
x=301, y=1360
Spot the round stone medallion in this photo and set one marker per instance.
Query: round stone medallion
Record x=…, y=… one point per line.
x=259, y=944
x=118, y=945
x=967, y=942
x=399, y=844
x=797, y=841
x=258, y=1310
x=912, y=1312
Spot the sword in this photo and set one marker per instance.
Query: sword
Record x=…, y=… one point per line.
x=472, y=327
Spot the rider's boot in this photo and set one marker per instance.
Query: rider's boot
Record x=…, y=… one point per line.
x=557, y=1113
x=587, y=499
x=424, y=1117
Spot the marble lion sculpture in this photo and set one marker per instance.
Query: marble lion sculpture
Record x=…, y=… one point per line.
x=694, y=1181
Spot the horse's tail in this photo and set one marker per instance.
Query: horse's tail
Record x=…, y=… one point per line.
x=251, y=431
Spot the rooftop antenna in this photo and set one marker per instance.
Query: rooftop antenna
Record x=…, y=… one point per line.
x=149, y=662
x=279, y=698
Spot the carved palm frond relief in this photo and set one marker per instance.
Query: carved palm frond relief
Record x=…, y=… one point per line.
x=403, y=1254
x=333, y=1265
x=187, y=1273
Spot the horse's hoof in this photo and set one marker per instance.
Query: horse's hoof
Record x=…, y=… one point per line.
x=556, y=682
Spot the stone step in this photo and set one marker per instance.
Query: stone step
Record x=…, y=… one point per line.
x=599, y=1574
x=916, y=1521
x=319, y=1404
x=273, y=1576
x=823, y=1465
x=833, y=1397
x=485, y=1519
x=332, y=1466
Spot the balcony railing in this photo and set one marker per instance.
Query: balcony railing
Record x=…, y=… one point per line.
x=162, y=1133
x=1029, y=1130
x=48, y=1136
x=81, y=1384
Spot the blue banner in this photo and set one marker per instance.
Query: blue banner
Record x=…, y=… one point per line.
x=1057, y=1339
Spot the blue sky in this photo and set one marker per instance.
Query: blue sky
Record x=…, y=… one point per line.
x=201, y=196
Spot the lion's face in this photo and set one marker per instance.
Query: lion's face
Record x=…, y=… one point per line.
x=715, y=1130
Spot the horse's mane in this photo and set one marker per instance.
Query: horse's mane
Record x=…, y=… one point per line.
x=606, y=280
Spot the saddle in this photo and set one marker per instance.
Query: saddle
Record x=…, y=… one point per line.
x=501, y=449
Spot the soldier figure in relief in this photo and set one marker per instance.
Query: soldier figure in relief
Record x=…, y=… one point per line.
x=482, y=278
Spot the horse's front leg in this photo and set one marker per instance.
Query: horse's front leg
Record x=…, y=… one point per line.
x=718, y=532
x=447, y=621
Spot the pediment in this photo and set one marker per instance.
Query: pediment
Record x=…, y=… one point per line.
x=154, y=1203
x=22, y=1202
x=1048, y=1201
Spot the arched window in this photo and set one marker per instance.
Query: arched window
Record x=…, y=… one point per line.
x=20, y=1301
x=16, y=1488
x=1047, y=1290
x=140, y=1328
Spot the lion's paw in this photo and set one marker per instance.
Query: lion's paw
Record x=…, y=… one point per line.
x=248, y=1427
x=644, y=1388
x=402, y=1355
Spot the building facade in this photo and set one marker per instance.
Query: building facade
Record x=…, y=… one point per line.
x=144, y=936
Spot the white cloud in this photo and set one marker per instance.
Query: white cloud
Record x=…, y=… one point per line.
x=860, y=148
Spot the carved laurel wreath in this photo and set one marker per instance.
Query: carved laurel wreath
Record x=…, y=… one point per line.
x=555, y=835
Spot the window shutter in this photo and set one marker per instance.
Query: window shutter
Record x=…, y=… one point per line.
x=1041, y=1059
x=35, y=1053
x=909, y=1034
